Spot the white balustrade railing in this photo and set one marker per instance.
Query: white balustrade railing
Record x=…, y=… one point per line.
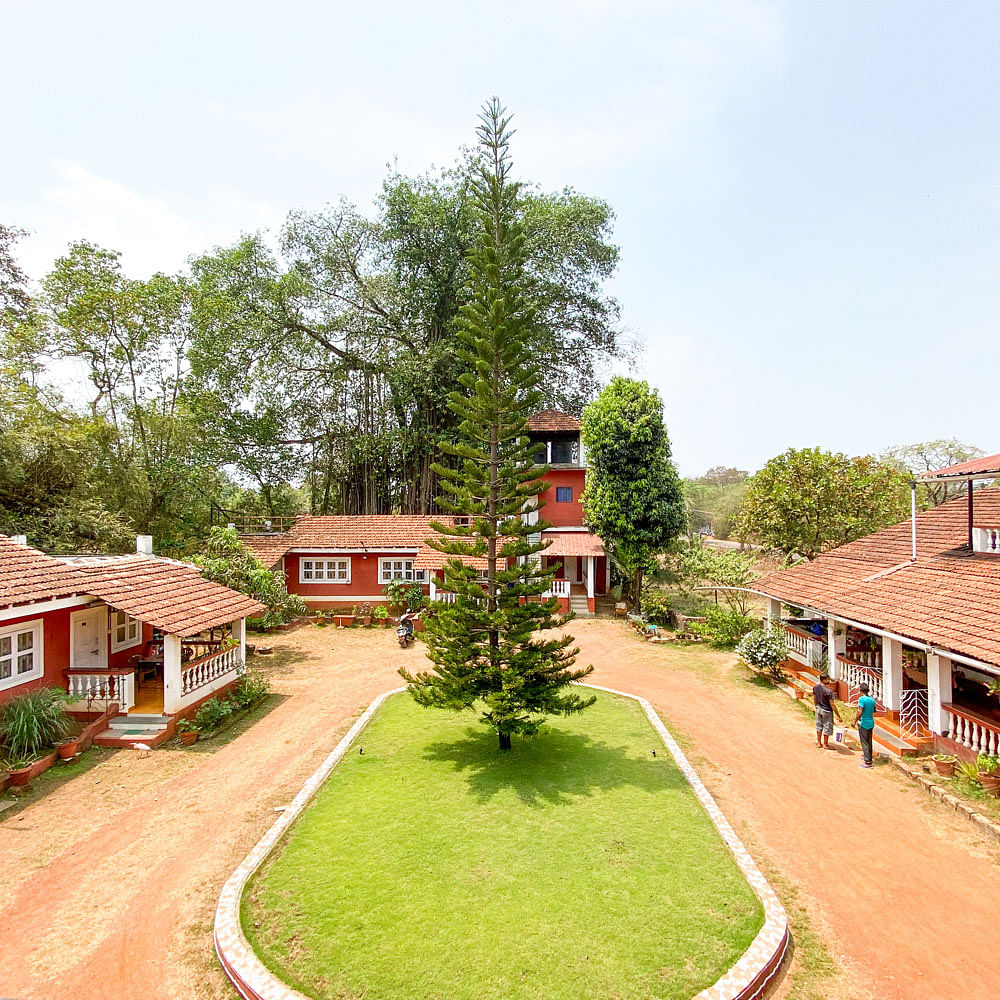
x=210, y=668
x=558, y=588
x=102, y=686
x=855, y=674
x=806, y=649
x=976, y=734
x=871, y=658
x=986, y=540
x=445, y=596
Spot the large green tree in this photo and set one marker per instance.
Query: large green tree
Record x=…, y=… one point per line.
x=929, y=456
x=806, y=501
x=335, y=355
x=633, y=499
x=489, y=650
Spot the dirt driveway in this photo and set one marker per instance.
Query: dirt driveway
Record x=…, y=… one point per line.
x=108, y=884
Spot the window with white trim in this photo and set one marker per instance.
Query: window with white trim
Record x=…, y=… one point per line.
x=126, y=631
x=399, y=569
x=324, y=571
x=20, y=653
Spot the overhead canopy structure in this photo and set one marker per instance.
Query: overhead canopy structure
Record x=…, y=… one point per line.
x=573, y=543
x=977, y=468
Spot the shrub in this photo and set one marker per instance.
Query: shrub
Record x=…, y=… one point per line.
x=656, y=605
x=212, y=714
x=33, y=722
x=723, y=627
x=402, y=595
x=380, y=613
x=764, y=649
x=251, y=688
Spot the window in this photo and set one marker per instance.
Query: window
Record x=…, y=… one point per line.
x=562, y=452
x=564, y=494
x=20, y=653
x=125, y=631
x=325, y=570
x=399, y=569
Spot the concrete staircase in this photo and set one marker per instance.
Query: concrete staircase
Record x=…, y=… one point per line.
x=124, y=730
x=578, y=605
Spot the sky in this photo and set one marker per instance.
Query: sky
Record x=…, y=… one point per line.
x=807, y=195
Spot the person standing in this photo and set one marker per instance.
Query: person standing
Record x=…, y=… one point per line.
x=866, y=723
x=826, y=709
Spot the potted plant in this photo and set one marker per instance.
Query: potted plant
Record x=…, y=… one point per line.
x=989, y=772
x=365, y=614
x=944, y=764
x=68, y=748
x=187, y=731
x=30, y=726
x=381, y=615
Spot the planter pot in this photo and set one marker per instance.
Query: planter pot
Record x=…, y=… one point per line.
x=990, y=780
x=22, y=776
x=344, y=621
x=68, y=749
x=188, y=738
x=946, y=768
x=366, y=621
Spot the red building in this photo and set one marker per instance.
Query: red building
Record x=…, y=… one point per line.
x=149, y=635
x=339, y=561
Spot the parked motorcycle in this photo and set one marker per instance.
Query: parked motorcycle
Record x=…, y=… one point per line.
x=405, y=627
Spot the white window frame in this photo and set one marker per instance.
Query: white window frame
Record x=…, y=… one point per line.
x=37, y=650
x=336, y=571
x=133, y=631
x=388, y=571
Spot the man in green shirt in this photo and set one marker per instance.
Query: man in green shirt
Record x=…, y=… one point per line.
x=866, y=723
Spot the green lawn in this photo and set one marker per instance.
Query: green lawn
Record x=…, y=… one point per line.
x=576, y=866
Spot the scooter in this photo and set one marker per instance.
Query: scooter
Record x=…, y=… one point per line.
x=405, y=627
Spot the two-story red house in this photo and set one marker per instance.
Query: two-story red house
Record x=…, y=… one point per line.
x=340, y=561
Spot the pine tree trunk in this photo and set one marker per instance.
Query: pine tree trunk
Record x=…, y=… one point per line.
x=504, y=740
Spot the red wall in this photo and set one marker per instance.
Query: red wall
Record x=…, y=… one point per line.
x=56, y=646
x=563, y=515
x=364, y=579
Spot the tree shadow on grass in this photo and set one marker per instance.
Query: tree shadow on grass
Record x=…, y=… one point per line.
x=555, y=767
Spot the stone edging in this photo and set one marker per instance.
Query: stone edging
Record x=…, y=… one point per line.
x=748, y=979
x=985, y=824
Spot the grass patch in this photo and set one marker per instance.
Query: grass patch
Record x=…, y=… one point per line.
x=577, y=865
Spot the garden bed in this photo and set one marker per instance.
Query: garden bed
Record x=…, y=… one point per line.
x=576, y=865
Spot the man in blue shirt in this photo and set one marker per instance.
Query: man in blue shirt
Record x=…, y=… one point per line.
x=866, y=723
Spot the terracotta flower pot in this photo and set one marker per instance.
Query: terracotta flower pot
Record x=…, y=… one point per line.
x=946, y=768
x=189, y=737
x=990, y=780
x=23, y=775
x=68, y=749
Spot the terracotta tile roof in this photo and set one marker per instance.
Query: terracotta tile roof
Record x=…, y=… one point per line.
x=948, y=598
x=572, y=543
x=170, y=596
x=29, y=575
x=344, y=532
x=990, y=465
x=552, y=420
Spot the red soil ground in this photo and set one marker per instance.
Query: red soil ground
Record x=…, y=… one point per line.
x=109, y=882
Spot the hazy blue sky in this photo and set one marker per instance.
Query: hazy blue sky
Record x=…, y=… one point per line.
x=808, y=194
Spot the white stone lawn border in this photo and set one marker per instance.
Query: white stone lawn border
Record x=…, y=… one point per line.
x=751, y=977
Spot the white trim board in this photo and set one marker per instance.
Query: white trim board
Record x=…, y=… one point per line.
x=41, y=607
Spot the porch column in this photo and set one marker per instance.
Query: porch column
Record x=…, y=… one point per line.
x=591, y=580
x=432, y=586
x=172, y=690
x=938, y=692
x=836, y=645
x=892, y=672
x=240, y=634
x=773, y=611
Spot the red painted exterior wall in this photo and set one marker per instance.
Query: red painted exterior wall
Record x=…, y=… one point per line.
x=56, y=649
x=563, y=515
x=364, y=585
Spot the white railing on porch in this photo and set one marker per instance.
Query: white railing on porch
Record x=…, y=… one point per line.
x=445, y=596
x=913, y=714
x=986, y=539
x=855, y=674
x=977, y=734
x=806, y=649
x=104, y=686
x=210, y=668
x=558, y=588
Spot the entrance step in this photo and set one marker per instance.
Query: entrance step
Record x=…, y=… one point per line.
x=891, y=743
x=124, y=730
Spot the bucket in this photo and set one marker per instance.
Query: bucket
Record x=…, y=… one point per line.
x=839, y=734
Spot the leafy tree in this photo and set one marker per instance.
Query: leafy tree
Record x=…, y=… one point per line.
x=714, y=499
x=228, y=561
x=488, y=648
x=929, y=456
x=807, y=501
x=633, y=498
x=704, y=566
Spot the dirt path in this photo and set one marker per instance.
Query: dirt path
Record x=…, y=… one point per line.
x=109, y=883
x=900, y=888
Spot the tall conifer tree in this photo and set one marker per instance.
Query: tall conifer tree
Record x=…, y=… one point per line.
x=487, y=648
